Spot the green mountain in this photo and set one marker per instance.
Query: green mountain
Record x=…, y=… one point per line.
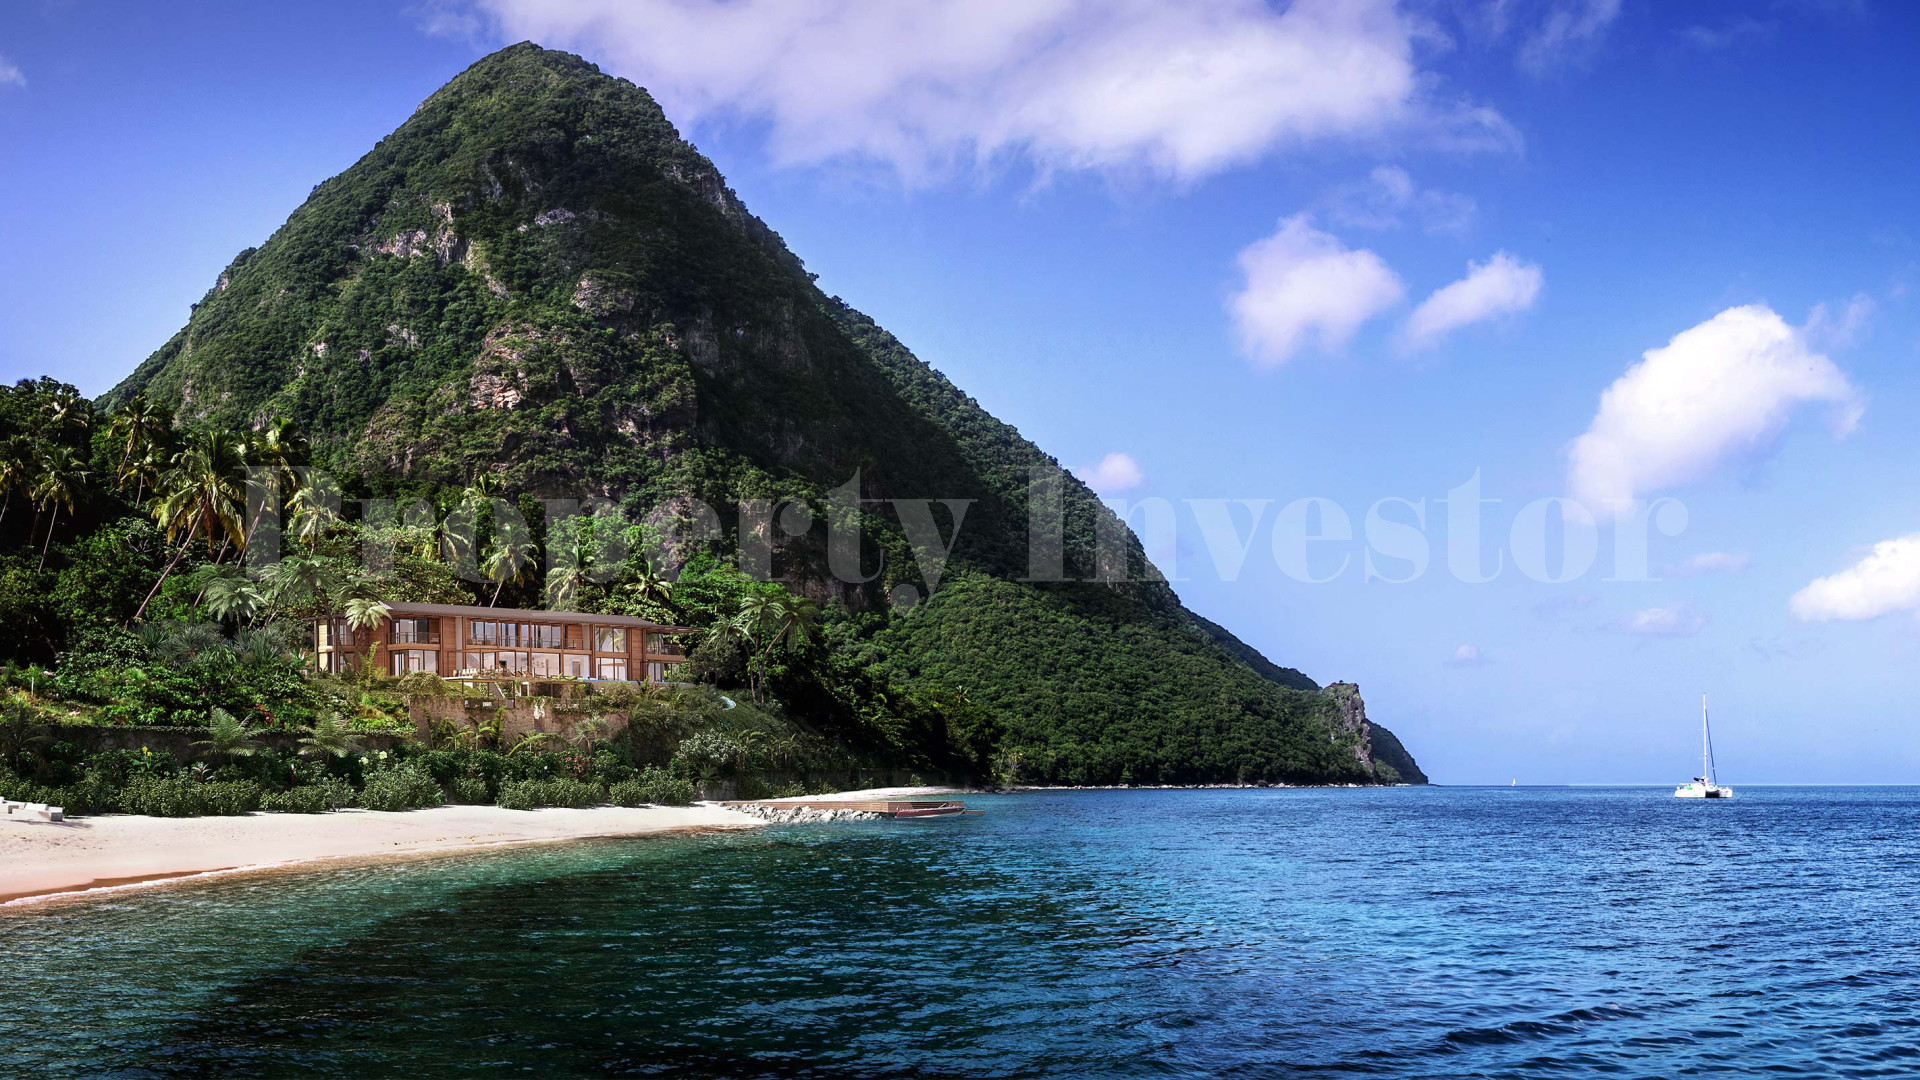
x=535, y=276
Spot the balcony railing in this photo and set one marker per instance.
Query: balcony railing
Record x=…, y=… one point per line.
x=428, y=637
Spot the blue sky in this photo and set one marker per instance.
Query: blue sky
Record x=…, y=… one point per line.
x=1208, y=238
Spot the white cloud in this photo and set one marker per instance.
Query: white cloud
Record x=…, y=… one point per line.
x=1675, y=620
x=1467, y=656
x=1734, y=32
x=1722, y=389
x=1389, y=197
x=1569, y=34
x=1842, y=326
x=11, y=75
x=1301, y=283
x=1114, y=474
x=1886, y=581
x=1182, y=91
x=1503, y=285
x=1710, y=562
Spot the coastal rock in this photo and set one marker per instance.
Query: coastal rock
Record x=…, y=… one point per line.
x=802, y=815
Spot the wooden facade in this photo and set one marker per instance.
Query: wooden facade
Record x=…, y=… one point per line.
x=481, y=643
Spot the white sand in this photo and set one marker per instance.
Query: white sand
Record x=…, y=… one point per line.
x=125, y=850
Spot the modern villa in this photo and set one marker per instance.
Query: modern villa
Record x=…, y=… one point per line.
x=504, y=644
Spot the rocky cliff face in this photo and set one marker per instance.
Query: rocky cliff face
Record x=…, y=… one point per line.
x=1376, y=748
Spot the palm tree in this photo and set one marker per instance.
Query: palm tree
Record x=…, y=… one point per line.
x=202, y=498
x=774, y=622
x=280, y=450
x=59, y=484
x=648, y=585
x=364, y=615
x=143, y=470
x=509, y=558
x=227, y=737
x=310, y=510
x=572, y=556
x=144, y=425
x=18, y=459
x=66, y=411
x=329, y=737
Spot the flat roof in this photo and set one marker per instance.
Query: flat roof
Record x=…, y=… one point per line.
x=500, y=614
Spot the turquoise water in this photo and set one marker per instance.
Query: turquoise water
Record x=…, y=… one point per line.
x=1396, y=933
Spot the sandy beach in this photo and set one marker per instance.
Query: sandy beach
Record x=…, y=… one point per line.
x=113, y=851
x=38, y=858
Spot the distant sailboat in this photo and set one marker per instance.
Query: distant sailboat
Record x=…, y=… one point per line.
x=1704, y=786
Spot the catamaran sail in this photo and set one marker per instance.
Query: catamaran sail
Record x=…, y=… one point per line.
x=1704, y=786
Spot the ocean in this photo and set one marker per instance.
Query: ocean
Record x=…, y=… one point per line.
x=1406, y=932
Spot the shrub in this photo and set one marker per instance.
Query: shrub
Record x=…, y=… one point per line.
x=529, y=794
x=184, y=797
x=470, y=791
x=656, y=787
x=306, y=799
x=400, y=789
x=709, y=755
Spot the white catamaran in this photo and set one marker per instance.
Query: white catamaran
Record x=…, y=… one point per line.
x=1703, y=786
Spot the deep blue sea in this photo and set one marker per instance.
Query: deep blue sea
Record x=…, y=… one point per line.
x=1439, y=932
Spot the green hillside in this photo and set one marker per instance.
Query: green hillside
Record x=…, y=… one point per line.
x=536, y=278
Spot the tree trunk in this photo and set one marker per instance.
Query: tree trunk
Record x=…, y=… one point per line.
x=163, y=579
x=49, y=542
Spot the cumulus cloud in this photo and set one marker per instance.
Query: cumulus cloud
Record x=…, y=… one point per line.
x=1302, y=283
x=1674, y=620
x=1709, y=562
x=1886, y=581
x=1719, y=390
x=11, y=75
x=1467, y=656
x=1182, y=91
x=1114, y=474
x=1389, y=198
x=1503, y=285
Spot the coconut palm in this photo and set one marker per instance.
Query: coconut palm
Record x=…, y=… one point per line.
x=60, y=482
x=648, y=585
x=279, y=451
x=66, y=411
x=364, y=615
x=310, y=509
x=19, y=460
x=769, y=622
x=202, y=497
x=144, y=426
x=509, y=558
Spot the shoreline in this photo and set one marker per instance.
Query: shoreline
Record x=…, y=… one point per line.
x=107, y=854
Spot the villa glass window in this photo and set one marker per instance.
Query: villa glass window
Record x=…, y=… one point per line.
x=415, y=632
x=609, y=639
x=611, y=669
x=406, y=660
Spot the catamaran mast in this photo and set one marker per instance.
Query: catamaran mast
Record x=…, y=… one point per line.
x=1706, y=743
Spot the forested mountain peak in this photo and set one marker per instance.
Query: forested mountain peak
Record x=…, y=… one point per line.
x=536, y=278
